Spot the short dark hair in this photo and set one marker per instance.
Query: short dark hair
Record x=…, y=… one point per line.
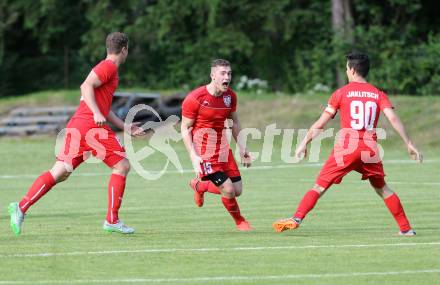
x=220, y=62
x=115, y=42
x=359, y=62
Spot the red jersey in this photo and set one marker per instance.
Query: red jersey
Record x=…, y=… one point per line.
x=107, y=72
x=359, y=105
x=209, y=114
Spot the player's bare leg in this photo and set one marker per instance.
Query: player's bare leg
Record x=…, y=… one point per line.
x=116, y=188
x=238, y=188
x=393, y=204
x=307, y=203
x=61, y=171
x=58, y=173
x=230, y=203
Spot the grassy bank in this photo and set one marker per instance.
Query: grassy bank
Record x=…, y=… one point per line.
x=421, y=115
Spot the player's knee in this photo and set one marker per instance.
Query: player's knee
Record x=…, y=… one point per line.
x=387, y=192
x=238, y=192
x=384, y=192
x=122, y=167
x=238, y=185
x=62, y=177
x=59, y=172
x=238, y=188
x=319, y=189
x=228, y=190
x=127, y=167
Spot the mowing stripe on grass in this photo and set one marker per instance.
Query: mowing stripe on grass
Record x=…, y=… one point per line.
x=216, y=249
x=261, y=167
x=230, y=278
x=390, y=182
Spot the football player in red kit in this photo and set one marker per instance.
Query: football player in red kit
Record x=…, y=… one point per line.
x=359, y=104
x=205, y=114
x=87, y=133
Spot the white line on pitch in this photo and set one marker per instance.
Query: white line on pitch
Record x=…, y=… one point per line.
x=230, y=278
x=172, y=250
x=174, y=171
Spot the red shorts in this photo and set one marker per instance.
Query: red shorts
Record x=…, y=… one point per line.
x=335, y=168
x=229, y=167
x=83, y=138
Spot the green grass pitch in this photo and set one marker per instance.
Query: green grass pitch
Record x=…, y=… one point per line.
x=349, y=238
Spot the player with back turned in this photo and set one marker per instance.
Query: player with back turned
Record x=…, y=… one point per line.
x=359, y=104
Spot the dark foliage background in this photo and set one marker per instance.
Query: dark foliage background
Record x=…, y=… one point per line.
x=51, y=44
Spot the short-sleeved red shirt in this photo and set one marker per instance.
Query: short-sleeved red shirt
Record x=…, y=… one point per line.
x=209, y=114
x=107, y=72
x=359, y=106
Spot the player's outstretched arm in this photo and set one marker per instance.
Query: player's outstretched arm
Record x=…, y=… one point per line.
x=246, y=159
x=185, y=130
x=132, y=129
x=400, y=129
x=88, y=94
x=315, y=129
x=115, y=120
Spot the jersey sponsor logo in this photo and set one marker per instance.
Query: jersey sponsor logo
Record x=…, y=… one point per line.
x=205, y=103
x=227, y=100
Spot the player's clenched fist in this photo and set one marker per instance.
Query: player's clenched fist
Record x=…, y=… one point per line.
x=301, y=152
x=246, y=159
x=414, y=153
x=133, y=129
x=99, y=119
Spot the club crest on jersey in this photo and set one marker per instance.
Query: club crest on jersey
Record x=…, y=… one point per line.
x=227, y=100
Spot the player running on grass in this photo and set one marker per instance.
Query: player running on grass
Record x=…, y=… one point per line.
x=205, y=112
x=87, y=132
x=359, y=104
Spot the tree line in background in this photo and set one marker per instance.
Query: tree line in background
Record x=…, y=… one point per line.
x=294, y=45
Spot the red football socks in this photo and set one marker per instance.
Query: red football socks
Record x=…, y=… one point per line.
x=396, y=209
x=208, y=186
x=40, y=187
x=234, y=210
x=307, y=203
x=116, y=187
